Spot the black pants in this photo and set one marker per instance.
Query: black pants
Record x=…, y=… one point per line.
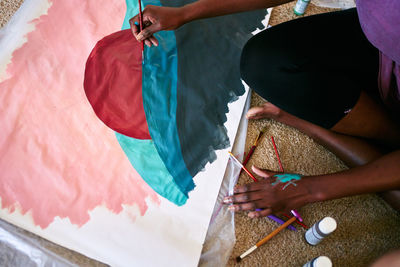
x=313, y=67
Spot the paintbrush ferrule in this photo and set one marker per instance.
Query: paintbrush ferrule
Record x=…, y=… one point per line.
x=258, y=138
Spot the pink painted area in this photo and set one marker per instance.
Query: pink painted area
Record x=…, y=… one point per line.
x=57, y=159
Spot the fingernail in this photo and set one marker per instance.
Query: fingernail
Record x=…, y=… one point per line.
x=232, y=208
x=139, y=37
x=251, y=215
x=249, y=115
x=227, y=200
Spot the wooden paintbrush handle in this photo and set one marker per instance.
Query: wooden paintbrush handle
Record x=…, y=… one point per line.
x=249, y=155
x=275, y=232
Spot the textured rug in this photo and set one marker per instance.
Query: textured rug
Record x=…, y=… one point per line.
x=367, y=226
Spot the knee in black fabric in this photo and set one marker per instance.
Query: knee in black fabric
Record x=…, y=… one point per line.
x=262, y=63
x=272, y=69
x=281, y=71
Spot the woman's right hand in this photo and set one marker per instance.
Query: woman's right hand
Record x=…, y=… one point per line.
x=156, y=18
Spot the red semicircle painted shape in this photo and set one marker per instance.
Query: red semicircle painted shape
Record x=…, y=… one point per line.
x=113, y=84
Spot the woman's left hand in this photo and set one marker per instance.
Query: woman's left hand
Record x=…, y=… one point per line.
x=274, y=193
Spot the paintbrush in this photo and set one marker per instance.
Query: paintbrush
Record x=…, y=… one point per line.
x=251, y=151
x=295, y=212
x=141, y=26
x=265, y=239
x=277, y=154
x=243, y=167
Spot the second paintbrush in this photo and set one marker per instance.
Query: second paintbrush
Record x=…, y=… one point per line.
x=251, y=151
x=265, y=239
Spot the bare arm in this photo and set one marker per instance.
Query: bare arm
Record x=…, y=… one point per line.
x=213, y=8
x=156, y=18
x=379, y=175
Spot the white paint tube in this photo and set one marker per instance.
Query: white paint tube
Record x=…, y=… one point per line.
x=321, y=261
x=321, y=229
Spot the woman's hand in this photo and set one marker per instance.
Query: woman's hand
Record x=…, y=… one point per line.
x=156, y=18
x=275, y=193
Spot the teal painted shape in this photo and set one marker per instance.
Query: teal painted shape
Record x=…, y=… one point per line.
x=159, y=90
x=160, y=105
x=286, y=177
x=143, y=154
x=145, y=159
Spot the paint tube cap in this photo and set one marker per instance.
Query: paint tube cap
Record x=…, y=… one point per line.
x=327, y=225
x=322, y=261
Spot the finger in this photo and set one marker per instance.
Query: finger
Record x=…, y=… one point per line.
x=147, y=42
x=241, y=198
x=135, y=30
x=146, y=23
x=153, y=40
x=243, y=207
x=262, y=173
x=260, y=213
x=147, y=32
x=254, y=113
x=248, y=187
x=134, y=27
x=133, y=20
